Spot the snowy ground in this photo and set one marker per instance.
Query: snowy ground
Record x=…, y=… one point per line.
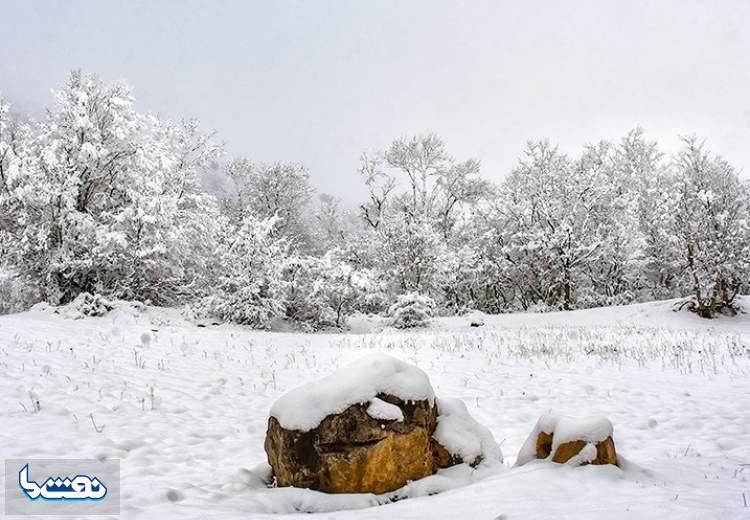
x=185, y=408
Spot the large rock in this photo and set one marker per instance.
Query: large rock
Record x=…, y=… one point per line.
x=354, y=452
x=371, y=427
x=566, y=440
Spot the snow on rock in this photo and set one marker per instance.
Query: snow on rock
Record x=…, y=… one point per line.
x=380, y=409
x=594, y=429
x=459, y=433
x=553, y=433
x=305, y=407
x=587, y=455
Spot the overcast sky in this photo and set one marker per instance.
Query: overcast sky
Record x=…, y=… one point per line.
x=321, y=81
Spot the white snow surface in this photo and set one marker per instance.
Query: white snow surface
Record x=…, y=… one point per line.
x=566, y=429
x=185, y=411
x=462, y=435
x=359, y=382
x=379, y=409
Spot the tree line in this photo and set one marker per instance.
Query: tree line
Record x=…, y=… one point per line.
x=98, y=198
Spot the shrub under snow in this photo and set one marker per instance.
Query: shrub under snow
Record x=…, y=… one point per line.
x=323, y=292
x=411, y=310
x=16, y=294
x=87, y=304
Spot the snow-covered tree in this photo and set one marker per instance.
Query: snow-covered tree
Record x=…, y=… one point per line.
x=643, y=202
x=108, y=200
x=498, y=291
x=332, y=226
x=547, y=221
x=249, y=288
x=437, y=188
x=272, y=190
x=462, y=282
x=17, y=288
x=12, y=148
x=613, y=275
x=171, y=225
x=420, y=200
x=712, y=228
x=411, y=254
x=10, y=163
x=577, y=232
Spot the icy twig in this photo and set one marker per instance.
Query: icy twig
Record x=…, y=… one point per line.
x=98, y=430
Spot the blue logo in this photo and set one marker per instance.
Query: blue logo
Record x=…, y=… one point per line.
x=80, y=487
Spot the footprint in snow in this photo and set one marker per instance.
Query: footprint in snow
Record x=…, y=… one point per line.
x=174, y=496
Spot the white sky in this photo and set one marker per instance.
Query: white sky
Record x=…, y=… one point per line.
x=320, y=81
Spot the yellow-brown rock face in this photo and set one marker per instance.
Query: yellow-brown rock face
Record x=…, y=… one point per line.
x=381, y=467
x=544, y=445
x=605, y=451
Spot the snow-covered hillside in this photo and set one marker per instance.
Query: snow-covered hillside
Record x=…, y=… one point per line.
x=185, y=408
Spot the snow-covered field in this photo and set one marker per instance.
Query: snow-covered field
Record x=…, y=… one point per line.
x=184, y=408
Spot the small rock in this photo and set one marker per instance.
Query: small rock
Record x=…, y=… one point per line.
x=569, y=440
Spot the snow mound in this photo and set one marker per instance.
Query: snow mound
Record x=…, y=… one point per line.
x=462, y=435
x=566, y=429
x=291, y=500
x=380, y=409
x=359, y=382
x=87, y=304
